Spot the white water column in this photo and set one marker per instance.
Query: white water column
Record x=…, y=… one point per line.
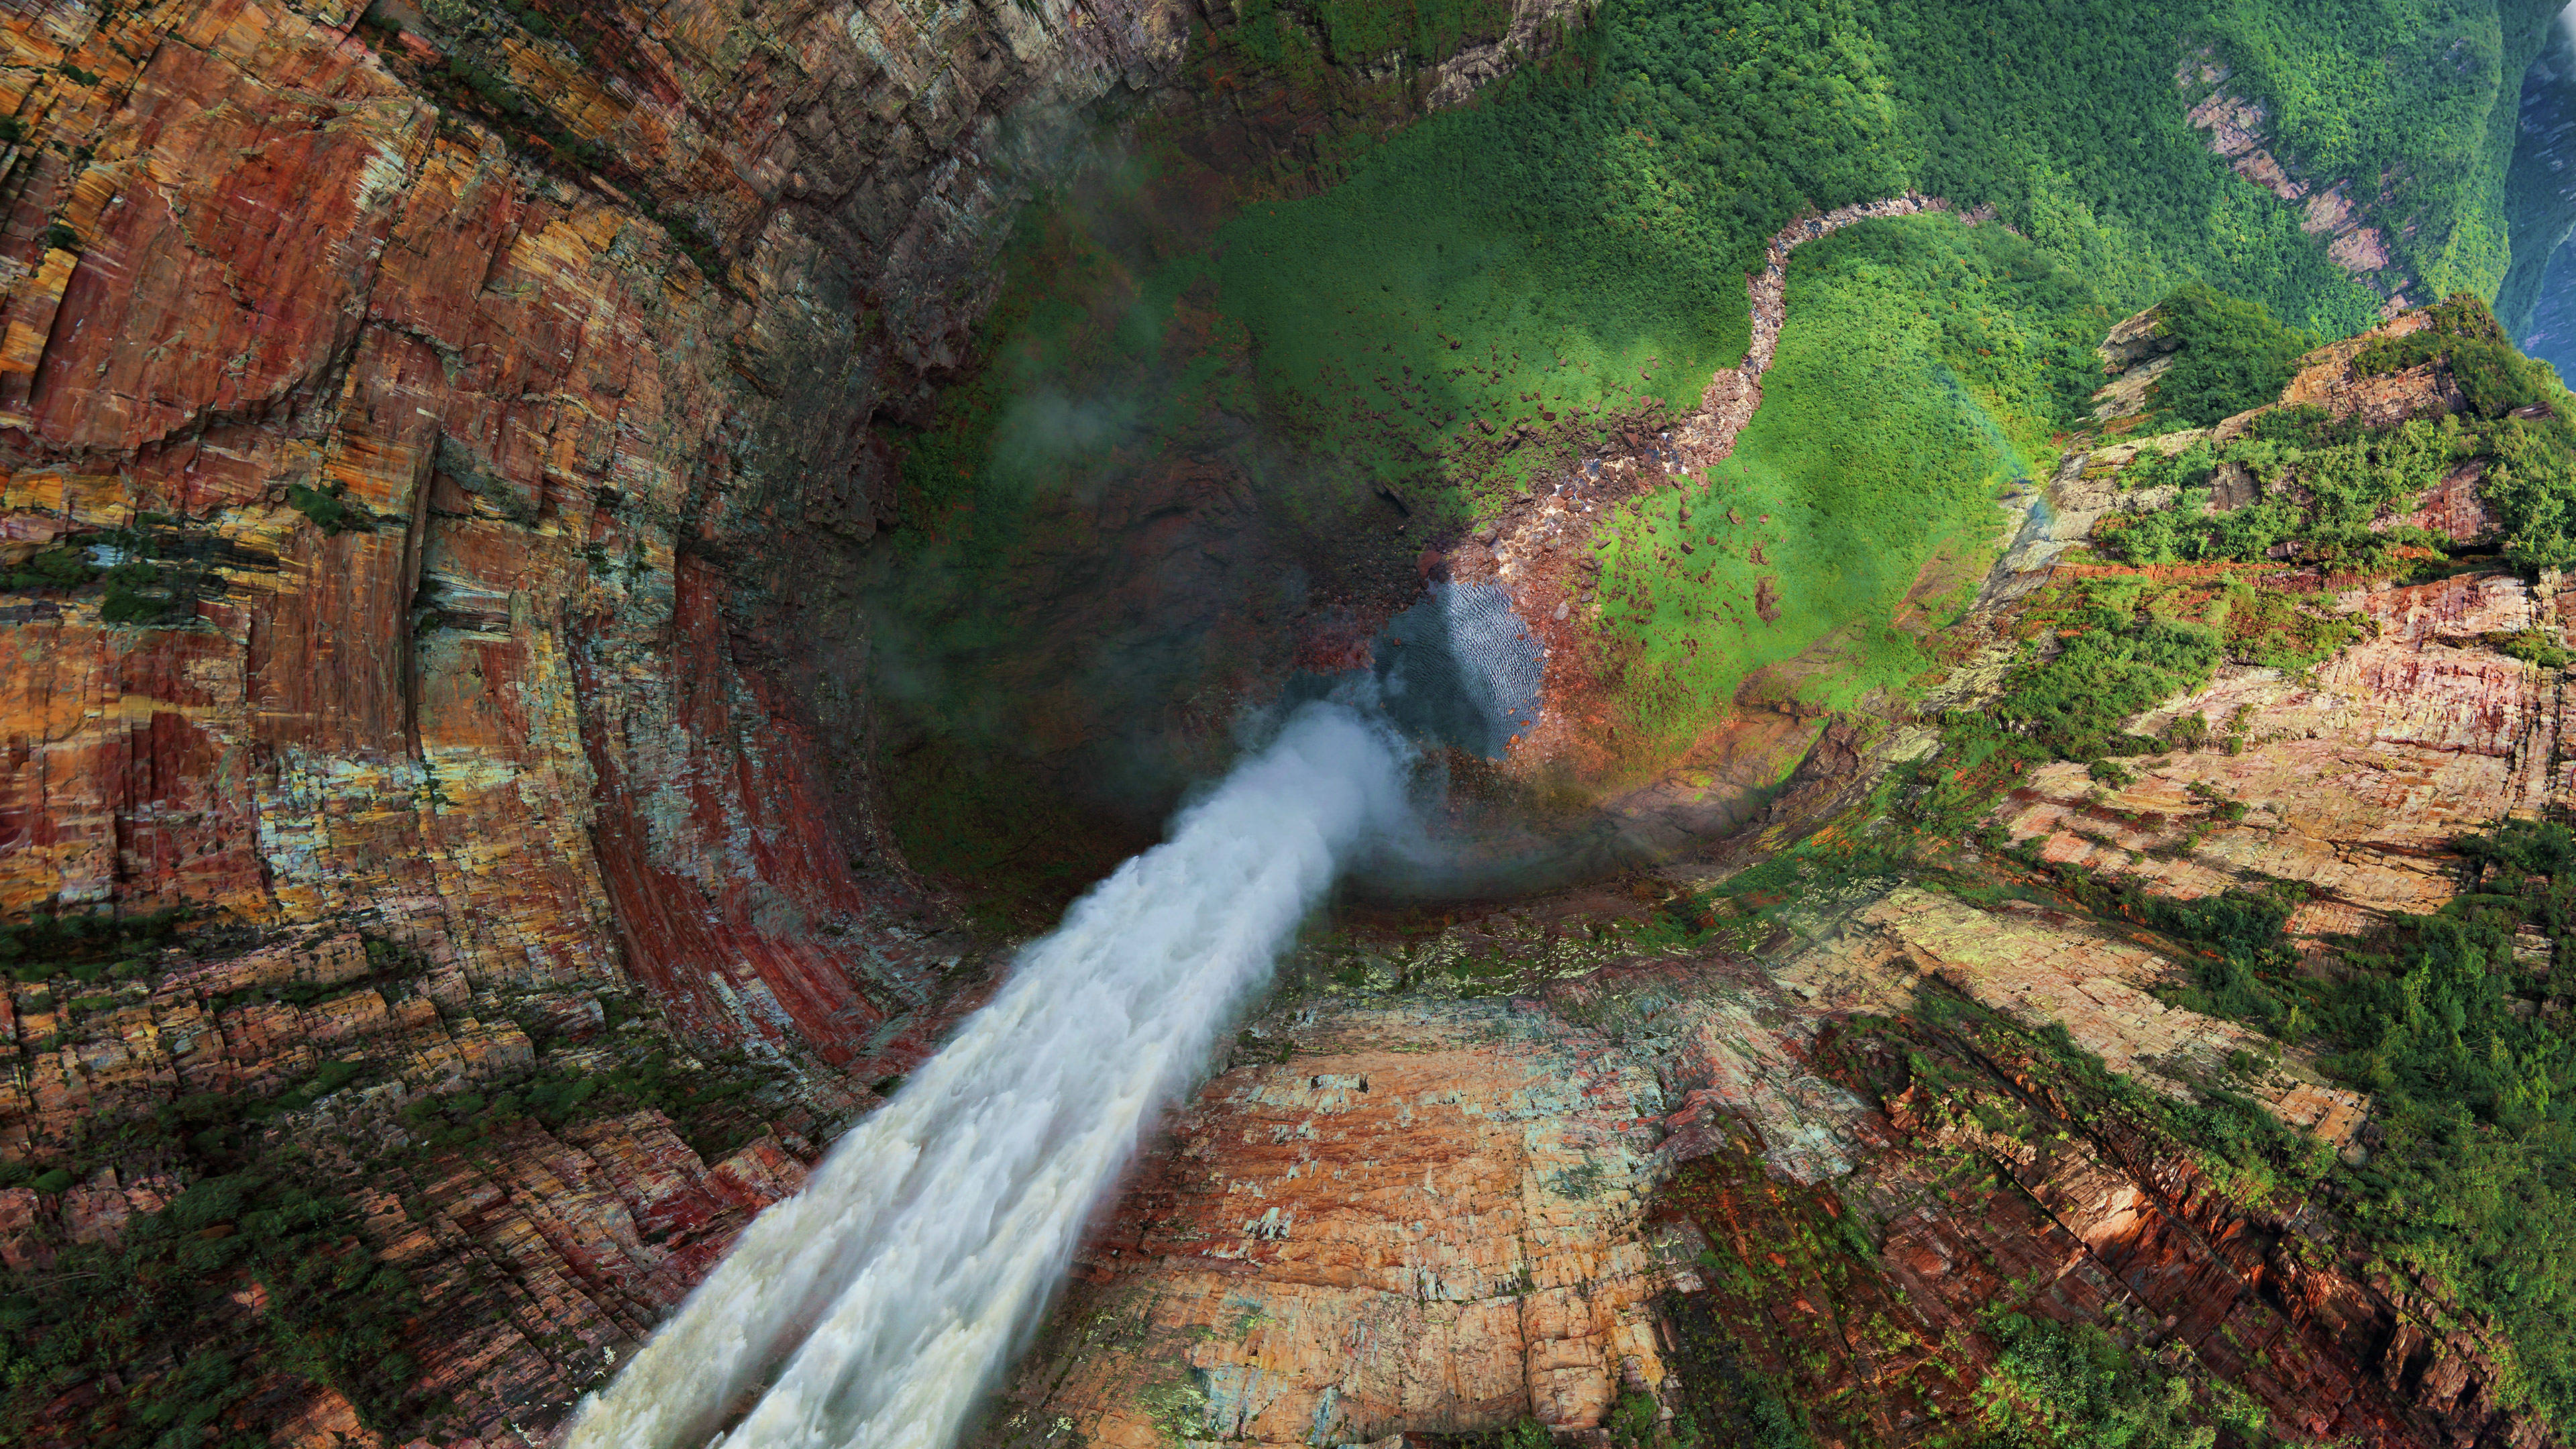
x=902, y=1279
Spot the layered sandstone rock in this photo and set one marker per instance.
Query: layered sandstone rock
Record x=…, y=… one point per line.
x=475, y=401
x=462, y=720
x=2351, y=778
x=1443, y=1217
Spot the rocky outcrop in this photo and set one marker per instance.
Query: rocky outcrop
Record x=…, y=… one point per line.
x=539, y=1257
x=2350, y=779
x=1403, y=1218
x=2135, y=355
x=1406, y=1214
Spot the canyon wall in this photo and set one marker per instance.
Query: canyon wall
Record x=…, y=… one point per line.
x=476, y=502
x=436, y=450
x=481, y=410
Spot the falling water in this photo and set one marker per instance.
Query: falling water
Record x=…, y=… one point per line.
x=899, y=1281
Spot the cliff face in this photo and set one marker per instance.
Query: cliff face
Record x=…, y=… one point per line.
x=435, y=452
x=1670, y=1176
x=440, y=461
x=481, y=413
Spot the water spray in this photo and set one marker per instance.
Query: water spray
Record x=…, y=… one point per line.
x=875, y=1307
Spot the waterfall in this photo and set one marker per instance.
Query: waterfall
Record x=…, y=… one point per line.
x=889, y=1293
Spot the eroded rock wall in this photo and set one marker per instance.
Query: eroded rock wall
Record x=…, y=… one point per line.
x=510, y=682
x=435, y=446
x=1448, y=1216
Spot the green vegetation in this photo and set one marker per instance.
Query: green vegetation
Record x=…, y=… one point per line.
x=2073, y=1386
x=141, y=592
x=2106, y=647
x=2532, y=646
x=2520, y=419
x=1923, y=361
x=1444, y=314
x=1357, y=31
x=2493, y=376
x=2518, y=425
x=159, y=573
x=2473, y=1180
x=60, y=567
x=2350, y=477
x=162, y=1312
x=1581, y=237
x=2125, y=643
x=1636, y=1422
x=2416, y=99
x=2107, y=671
x=2450, y=1021
x=1609, y=201
x=84, y=947
x=2232, y=356
x=327, y=510
x=1613, y=197
x=706, y=1105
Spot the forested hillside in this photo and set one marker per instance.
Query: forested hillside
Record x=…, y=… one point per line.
x=1567, y=252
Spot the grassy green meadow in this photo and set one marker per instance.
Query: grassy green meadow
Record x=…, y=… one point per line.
x=1923, y=366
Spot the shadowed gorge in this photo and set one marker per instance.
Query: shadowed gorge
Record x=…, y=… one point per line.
x=712, y=650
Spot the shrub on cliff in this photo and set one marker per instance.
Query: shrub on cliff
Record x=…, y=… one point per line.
x=326, y=509
x=2517, y=417
x=47, y=945
x=159, y=1318
x=2328, y=495
x=2532, y=483
x=138, y=592
x=2234, y=355
x=2072, y=1386
x=53, y=568
x=2493, y=376
x=2076, y=703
